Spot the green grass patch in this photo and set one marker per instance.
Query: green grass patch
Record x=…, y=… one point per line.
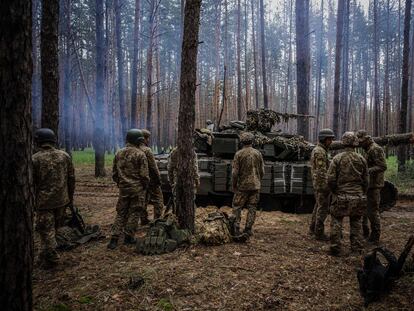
x=404, y=181
x=59, y=307
x=85, y=299
x=165, y=305
x=87, y=157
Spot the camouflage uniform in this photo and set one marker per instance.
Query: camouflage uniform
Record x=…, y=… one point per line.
x=54, y=183
x=319, y=166
x=172, y=168
x=248, y=170
x=130, y=172
x=348, y=181
x=376, y=166
x=154, y=194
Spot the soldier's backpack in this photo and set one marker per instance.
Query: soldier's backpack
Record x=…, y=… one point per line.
x=163, y=236
x=215, y=229
x=375, y=279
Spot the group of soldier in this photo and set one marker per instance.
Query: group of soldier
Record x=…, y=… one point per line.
x=349, y=185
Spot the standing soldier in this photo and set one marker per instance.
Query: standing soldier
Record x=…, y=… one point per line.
x=130, y=172
x=247, y=172
x=154, y=193
x=54, y=184
x=377, y=165
x=319, y=166
x=172, y=168
x=348, y=182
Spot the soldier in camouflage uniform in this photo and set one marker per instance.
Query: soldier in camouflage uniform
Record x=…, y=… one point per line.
x=130, y=172
x=377, y=165
x=54, y=184
x=172, y=168
x=154, y=193
x=348, y=182
x=247, y=172
x=319, y=167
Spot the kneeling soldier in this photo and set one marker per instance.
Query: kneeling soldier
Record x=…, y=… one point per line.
x=248, y=170
x=54, y=183
x=348, y=181
x=130, y=172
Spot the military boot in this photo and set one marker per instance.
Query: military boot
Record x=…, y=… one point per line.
x=248, y=231
x=113, y=243
x=129, y=240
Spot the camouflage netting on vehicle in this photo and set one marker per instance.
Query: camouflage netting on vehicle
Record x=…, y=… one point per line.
x=263, y=120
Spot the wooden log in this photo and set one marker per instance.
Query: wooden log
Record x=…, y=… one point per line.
x=389, y=140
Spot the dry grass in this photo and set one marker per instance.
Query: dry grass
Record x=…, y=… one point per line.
x=280, y=268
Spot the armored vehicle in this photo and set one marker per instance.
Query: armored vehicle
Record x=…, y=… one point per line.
x=287, y=183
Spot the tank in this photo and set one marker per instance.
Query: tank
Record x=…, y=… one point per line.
x=287, y=183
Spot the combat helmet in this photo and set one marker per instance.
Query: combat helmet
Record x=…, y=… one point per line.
x=349, y=139
x=325, y=133
x=246, y=138
x=44, y=135
x=363, y=136
x=208, y=122
x=135, y=137
x=146, y=133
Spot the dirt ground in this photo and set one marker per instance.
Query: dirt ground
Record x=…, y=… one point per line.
x=280, y=268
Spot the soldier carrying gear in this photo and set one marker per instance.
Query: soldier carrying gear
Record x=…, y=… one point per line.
x=319, y=167
x=247, y=172
x=348, y=182
x=130, y=172
x=154, y=194
x=54, y=183
x=377, y=165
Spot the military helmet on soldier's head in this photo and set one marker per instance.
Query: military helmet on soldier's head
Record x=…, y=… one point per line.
x=349, y=139
x=146, y=133
x=208, y=122
x=362, y=136
x=325, y=133
x=135, y=137
x=246, y=138
x=44, y=135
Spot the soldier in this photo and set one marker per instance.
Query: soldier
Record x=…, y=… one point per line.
x=210, y=126
x=154, y=193
x=130, y=172
x=54, y=184
x=247, y=172
x=172, y=168
x=348, y=182
x=319, y=166
x=377, y=165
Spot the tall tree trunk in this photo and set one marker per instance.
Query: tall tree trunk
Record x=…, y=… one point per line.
x=387, y=107
x=404, y=85
x=217, y=38
x=67, y=103
x=345, y=70
x=150, y=52
x=376, y=84
x=120, y=63
x=16, y=193
x=338, y=51
x=49, y=46
x=98, y=136
x=36, y=96
x=186, y=117
x=256, y=83
x=134, y=87
x=239, y=78
x=246, y=58
x=319, y=77
x=302, y=64
x=263, y=49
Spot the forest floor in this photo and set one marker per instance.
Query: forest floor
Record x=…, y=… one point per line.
x=280, y=268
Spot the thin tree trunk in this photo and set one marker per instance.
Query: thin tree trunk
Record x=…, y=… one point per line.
x=239, y=78
x=150, y=64
x=67, y=103
x=134, y=87
x=319, y=78
x=256, y=83
x=49, y=46
x=263, y=49
x=16, y=193
x=98, y=136
x=376, y=84
x=186, y=118
x=246, y=59
x=404, y=85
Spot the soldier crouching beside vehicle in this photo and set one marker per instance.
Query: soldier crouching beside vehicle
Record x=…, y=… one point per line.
x=247, y=172
x=130, y=172
x=319, y=167
x=348, y=182
x=377, y=165
x=54, y=184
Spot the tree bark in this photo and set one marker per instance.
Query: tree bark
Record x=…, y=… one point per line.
x=186, y=117
x=338, y=51
x=256, y=83
x=50, y=64
x=263, y=46
x=302, y=64
x=404, y=85
x=67, y=79
x=150, y=52
x=376, y=84
x=99, y=139
x=319, y=77
x=134, y=87
x=16, y=193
